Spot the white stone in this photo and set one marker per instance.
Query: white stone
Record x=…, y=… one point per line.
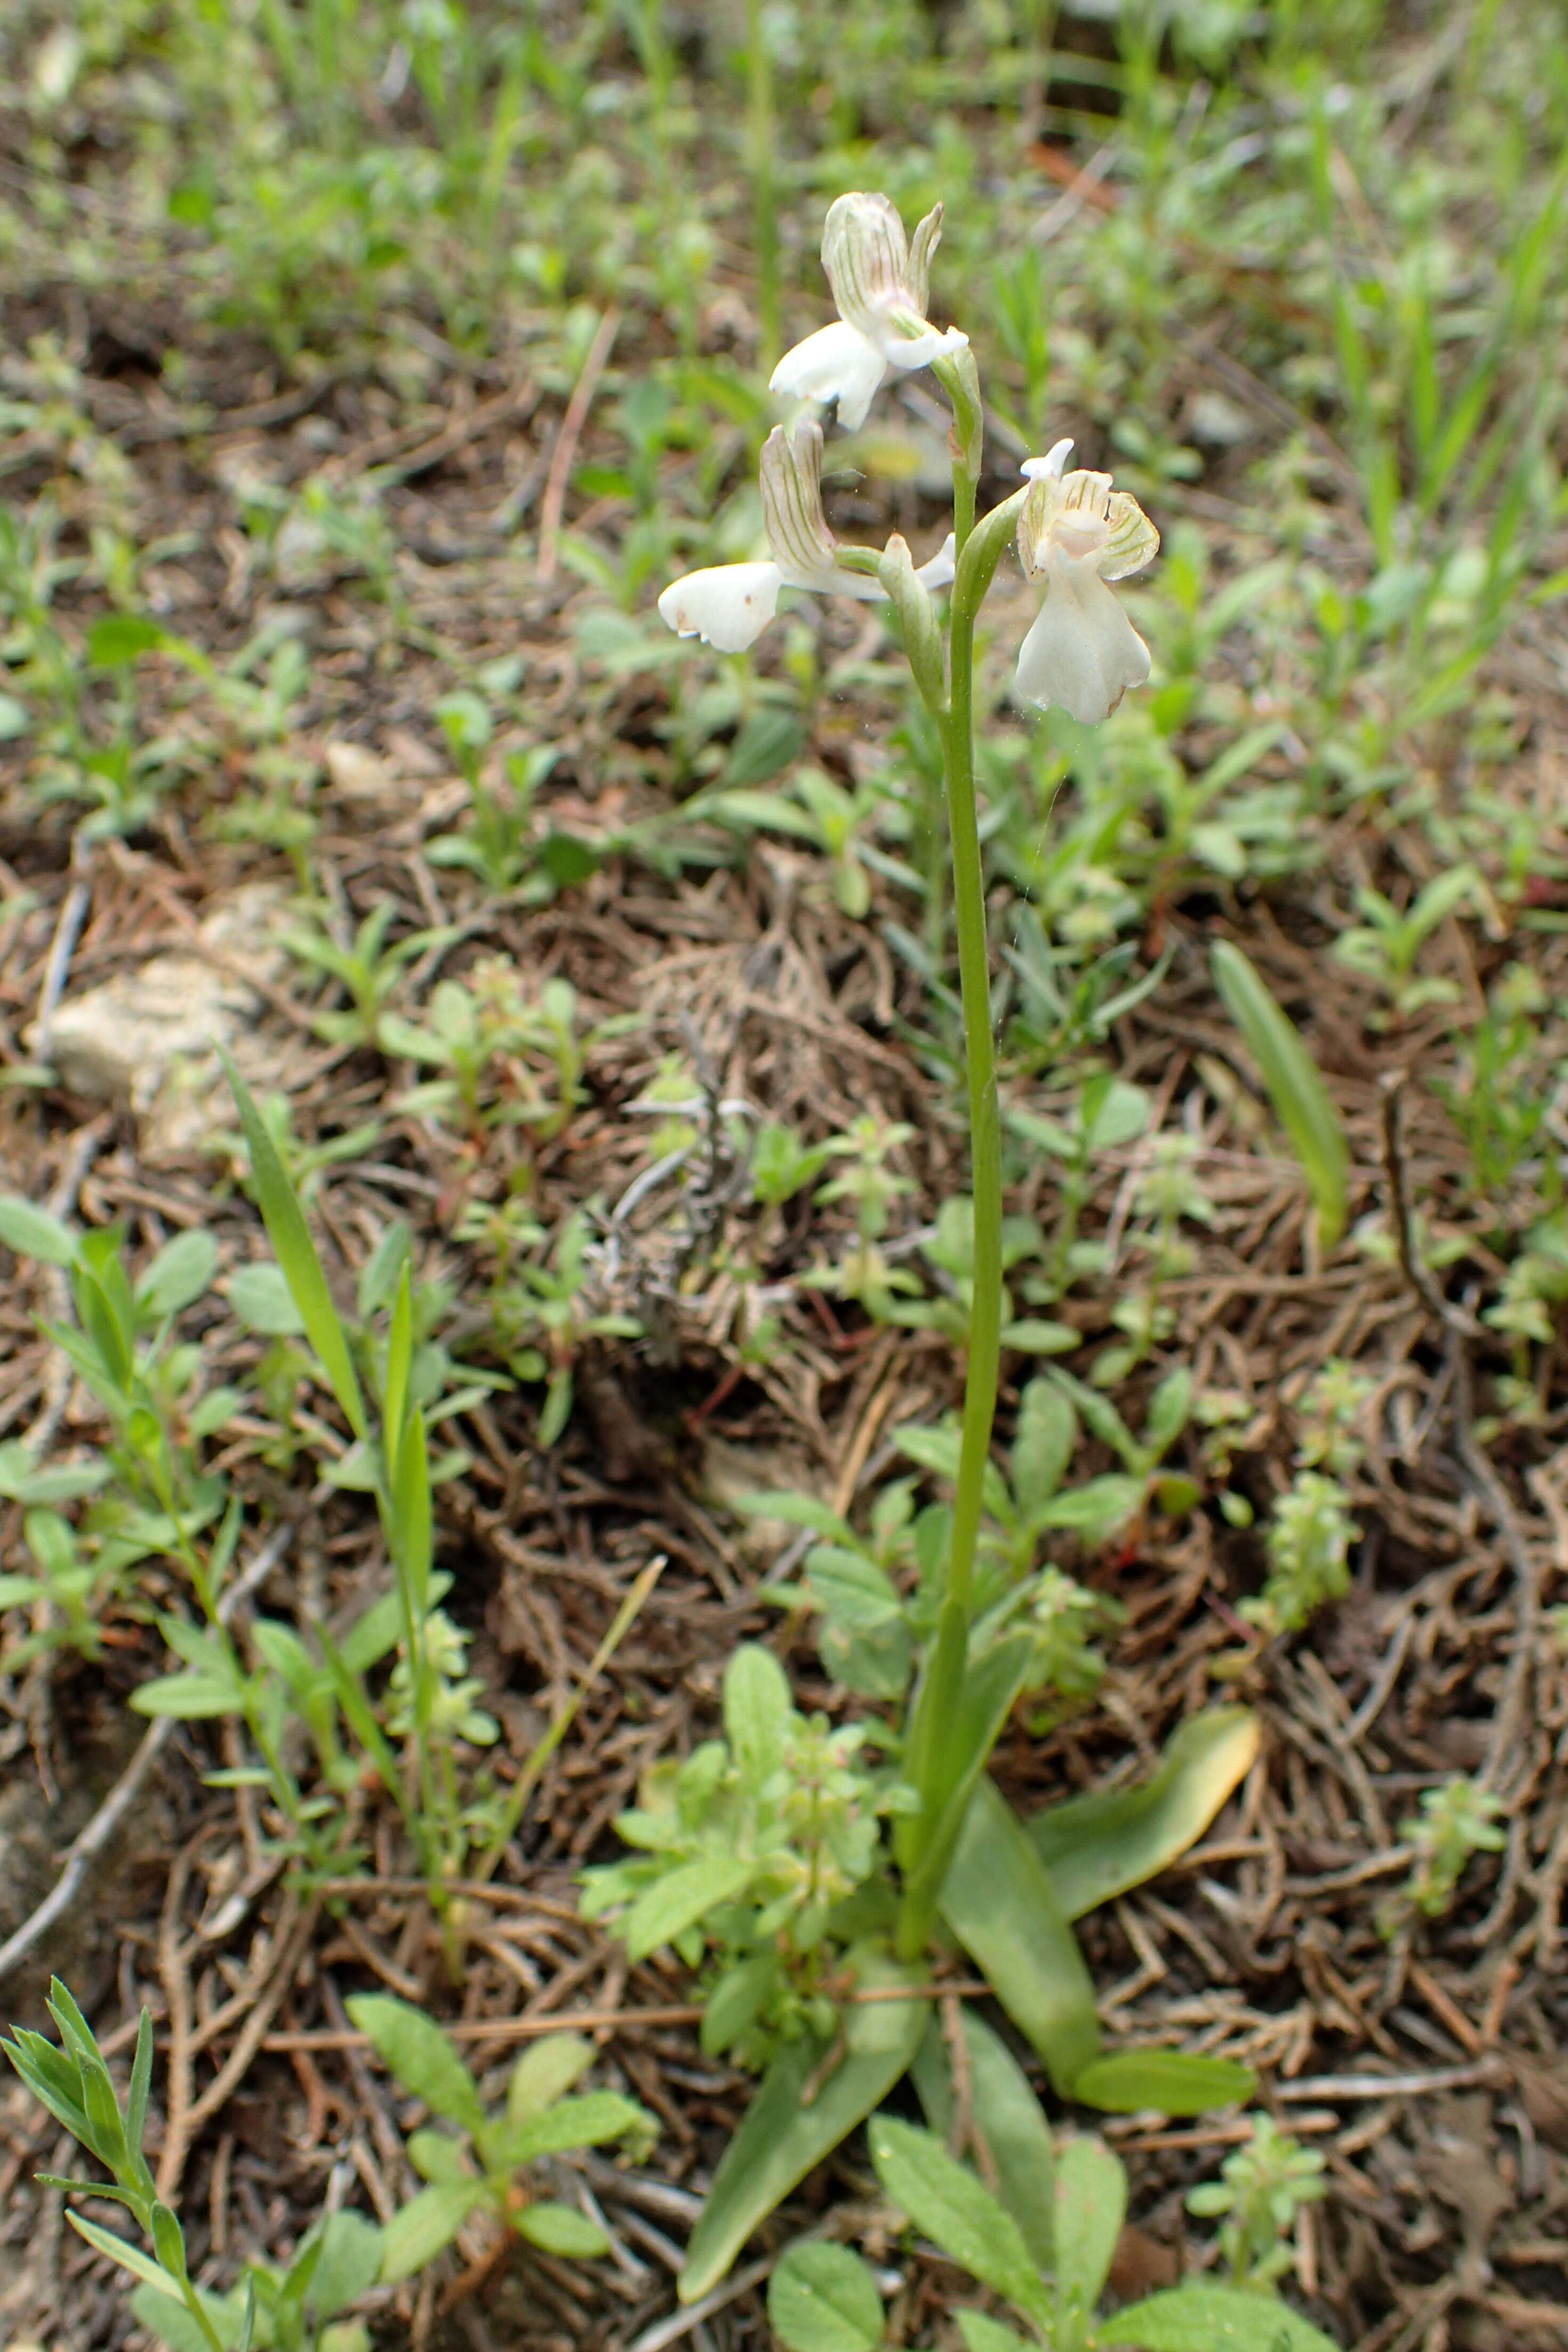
x=148, y=1038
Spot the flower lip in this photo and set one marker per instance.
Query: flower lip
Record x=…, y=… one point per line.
x=728, y=606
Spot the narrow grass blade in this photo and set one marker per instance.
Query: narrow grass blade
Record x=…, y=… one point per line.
x=527, y=1779
x=291, y=1238
x=1295, y=1088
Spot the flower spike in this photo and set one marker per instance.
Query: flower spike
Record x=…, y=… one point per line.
x=880, y=282
x=1083, y=652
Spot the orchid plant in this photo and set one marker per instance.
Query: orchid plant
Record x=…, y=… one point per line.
x=949, y=1847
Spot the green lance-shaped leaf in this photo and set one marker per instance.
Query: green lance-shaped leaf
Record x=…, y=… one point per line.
x=682, y=1898
x=411, y=1530
x=947, y=2201
x=981, y=2333
x=31, y=1232
x=417, y=2052
x=1095, y=1847
x=1295, y=1088
x=175, y=2326
x=823, y=2298
x=561, y=2230
x=1090, y=2205
x=782, y=2138
x=348, y=2261
x=291, y=1238
x=130, y=2258
x=419, y=2229
x=1213, y=2319
x=998, y=1900
x=545, y=2072
x=587, y=2122
x=1174, y=2082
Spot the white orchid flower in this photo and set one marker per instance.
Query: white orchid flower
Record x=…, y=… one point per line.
x=880, y=284
x=1083, y=652
x=729, y=605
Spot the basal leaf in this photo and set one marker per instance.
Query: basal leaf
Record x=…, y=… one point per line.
x=1008, y=2118
x=1097, y=1846
x=785, y=2134
x=998, y=1900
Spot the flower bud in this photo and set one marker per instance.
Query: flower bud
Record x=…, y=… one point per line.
x=917, y=617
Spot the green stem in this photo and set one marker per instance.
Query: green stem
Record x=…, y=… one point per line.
x=933, y=1758
x=963, y=509
x=197, y=2310
x=985, y=1121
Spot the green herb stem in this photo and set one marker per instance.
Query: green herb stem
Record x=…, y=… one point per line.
x=984, y=1120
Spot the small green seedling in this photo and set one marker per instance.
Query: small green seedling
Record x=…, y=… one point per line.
x=751, y=1844
x=369, y=970
x=482, y=2167
x=482, y=1036
x=949, y=1252
x=293, y=2310
x=1262, y=2186
x=1041, y=2240
x=868, y=1182
x=1307, y=1544
x=1330, y=1416
x=1385, y=945
x=71, y=2080
x=1456, y=1820
x=547, y=1314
